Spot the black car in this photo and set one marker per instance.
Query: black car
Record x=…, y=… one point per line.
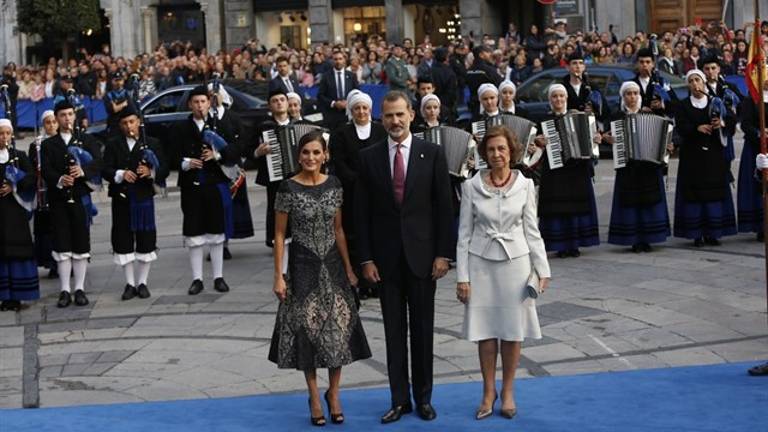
x=532, y=94
x=169, y=107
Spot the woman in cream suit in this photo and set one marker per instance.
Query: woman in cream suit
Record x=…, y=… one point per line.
x=499, y=254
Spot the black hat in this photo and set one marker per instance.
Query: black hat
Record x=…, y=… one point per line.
x=576, y=55
x=62, y=105
x=275, y=92
x=66, y=77
x=200, y=90
x=128, y=111
x=644, y=52
x=711, y=58
x=117, y=75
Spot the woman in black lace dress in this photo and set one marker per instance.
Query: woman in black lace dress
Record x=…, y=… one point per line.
x=317, y=322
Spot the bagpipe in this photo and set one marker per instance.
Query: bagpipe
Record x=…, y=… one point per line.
x=11, y=173
x=214, y=141
x=148, y=156
x=594, y=97
x=661, y=88
x=716, y=109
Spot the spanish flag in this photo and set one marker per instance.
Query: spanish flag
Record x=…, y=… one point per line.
x=753, y=64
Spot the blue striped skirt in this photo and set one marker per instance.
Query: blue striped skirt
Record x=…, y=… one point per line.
x=704, y=219
x=18, y=280
x=566, y=232
x=643, y=224
x=749, y=198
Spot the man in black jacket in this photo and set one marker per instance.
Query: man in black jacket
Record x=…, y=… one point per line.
x=446, y=87
x=335, y=85
x=482, y=71
x=403, y=220
x=285, y=79
x=132, y=166
x=69, y=197
x=205, y=198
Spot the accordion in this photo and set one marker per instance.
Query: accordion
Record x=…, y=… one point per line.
x=283, y=158
x=523, y=129
x=641, y=137
x=570, y=137
x=456, y=143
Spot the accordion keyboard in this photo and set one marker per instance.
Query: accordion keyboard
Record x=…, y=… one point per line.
x=274, y=157
x=554, y=144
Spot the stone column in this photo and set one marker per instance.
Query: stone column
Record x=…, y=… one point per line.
x=125, y=29
x=321, y=21
x=394, y=14
x=149, y=25
x=10, y=49
x=471, y=12
x=238, y=21
x=213, y=28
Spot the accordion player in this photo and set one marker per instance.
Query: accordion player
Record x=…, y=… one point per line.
x=523, y=129
x=570, y=136
x=282, y=160
x=457, y=144
x=641, y=137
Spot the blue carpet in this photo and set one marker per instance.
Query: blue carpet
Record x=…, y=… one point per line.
x=703, y=398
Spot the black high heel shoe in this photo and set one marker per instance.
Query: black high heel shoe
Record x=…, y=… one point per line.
x=316, y=421
x=335, y=418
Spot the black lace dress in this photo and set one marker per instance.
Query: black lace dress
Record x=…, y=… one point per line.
x=317, y=325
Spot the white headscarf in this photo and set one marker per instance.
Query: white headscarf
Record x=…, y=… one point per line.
x=628, y=85
x=553, y=88
x=293, y=95
x=6, y=123
x=695, y=72
x=504, y=84
x=226, y=99
x=486, y=88
x=425, y=99
x=45, y=115
x=356, y=97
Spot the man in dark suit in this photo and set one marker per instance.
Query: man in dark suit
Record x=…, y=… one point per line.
x=446, y=87
x=285, y=79
x=482, y=71
x=335, y=85
x=403, y=221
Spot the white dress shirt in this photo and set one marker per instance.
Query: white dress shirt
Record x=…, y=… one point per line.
x=405, y=149
x=120, y=174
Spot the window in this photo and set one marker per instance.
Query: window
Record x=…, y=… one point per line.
x=164, y=104
x=536, y=91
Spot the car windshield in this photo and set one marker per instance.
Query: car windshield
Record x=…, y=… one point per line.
x=166, y=103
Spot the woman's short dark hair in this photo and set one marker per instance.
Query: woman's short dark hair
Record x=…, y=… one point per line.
x=515, y=148
x=313, y=136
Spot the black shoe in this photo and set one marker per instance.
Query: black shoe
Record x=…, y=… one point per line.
x=80, y=298
x=574, y=253
x=336, y=418
x=374, y=293
x=395, y=413
x=65, y=299
x=426, y=412
x=227, y=253
x=699, y=242
x=196, y=287
x=129, y=292
x=363, y=294
x=712, y=241
x=143, y=291
x=647, y=247
x=10, y=305
x=53, y=273
x=316, y=421
x=220, y=286
x=637, y=248
x=760, y=237
x=759, y=370
x=562, y=254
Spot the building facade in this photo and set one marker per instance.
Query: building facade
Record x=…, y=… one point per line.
x=135, y=26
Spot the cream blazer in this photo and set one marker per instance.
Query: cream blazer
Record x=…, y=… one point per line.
x=499, y=226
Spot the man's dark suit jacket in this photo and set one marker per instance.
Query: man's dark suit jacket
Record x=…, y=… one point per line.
x=326, y=94
x=117, y=156
x=278, y=83
x=421, y=227
x=55, y=165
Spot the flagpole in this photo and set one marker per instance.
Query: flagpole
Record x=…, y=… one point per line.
x=763, y=147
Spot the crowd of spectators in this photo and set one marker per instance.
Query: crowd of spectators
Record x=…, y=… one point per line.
x=516, y=55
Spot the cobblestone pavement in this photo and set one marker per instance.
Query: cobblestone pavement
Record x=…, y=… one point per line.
x=608, y=310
